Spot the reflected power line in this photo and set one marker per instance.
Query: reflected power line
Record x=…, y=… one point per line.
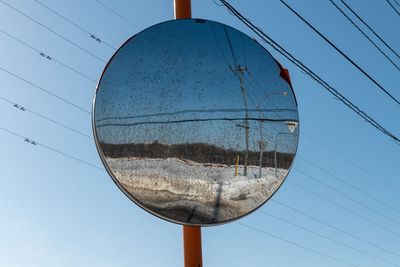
x=94, y=166
x=231, y=110
x=275, y=236
x=189, y=120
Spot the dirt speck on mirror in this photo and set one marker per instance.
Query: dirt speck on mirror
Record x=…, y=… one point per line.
x=196, y=122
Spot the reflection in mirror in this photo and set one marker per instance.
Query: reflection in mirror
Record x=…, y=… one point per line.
x=195, y=122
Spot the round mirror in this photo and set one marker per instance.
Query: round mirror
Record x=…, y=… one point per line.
x=195, y=122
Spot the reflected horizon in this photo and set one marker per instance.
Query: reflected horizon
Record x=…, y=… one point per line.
x=195, y=122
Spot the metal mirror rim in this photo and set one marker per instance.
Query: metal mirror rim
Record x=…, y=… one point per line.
x=125, y=191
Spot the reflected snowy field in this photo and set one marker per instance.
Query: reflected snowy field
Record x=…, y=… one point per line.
x=212, y=191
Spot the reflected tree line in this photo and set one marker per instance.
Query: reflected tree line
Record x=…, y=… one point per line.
x=197, y=152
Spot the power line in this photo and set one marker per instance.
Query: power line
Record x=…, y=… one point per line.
x=194, y=110
x=32, y=142
x=334, y=176
x=344, y=208
x=42, y=115
x=118, y=14
x=346, y=196
x=349, y=184
x=60, y=152
x=372, y=30
x=230, y=47
x=327, y=237
x=309, y=72
x=133, y=124
x=234, y=60
x=297, y=244
x=76, y=25
x=68, y=155
x=189, y=120
x=238, y=110
x=343, y=194
x=23, y=108
x=53, y=31
x=332, y=202
x=331, y=226
x=51, y=58
x=391, y=5
x=94, y=166
x=365, y=35
x=331, y=150
x=341, y=52
x=179, y=112
x=46, y=91
x=269, y=234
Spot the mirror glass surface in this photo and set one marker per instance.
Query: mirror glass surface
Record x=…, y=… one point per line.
x=195, y=122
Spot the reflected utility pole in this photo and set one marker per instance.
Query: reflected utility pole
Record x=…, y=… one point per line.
x=291, y=127
x=262, y=143
x=239, y=71
x=262, y=147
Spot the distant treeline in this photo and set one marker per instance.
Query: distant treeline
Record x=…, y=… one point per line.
x=197, y=152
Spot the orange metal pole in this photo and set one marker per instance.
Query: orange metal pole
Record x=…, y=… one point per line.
x=182, y=9
x=191, y=234
x=192, y=246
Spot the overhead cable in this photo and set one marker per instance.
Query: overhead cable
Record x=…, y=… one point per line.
x=370, y=28
x=342, y=53
x=297, y=244
x=53, y=31
x=312, y=74
x=365, y=35
x=392, y=6
x=118, y=14
x=33, y=142
x=45, y=91
x=51, y=58
x=23, y=108
x=94, y=37
x=333, y=240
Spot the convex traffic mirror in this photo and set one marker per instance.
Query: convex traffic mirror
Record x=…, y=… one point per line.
x=195, y=122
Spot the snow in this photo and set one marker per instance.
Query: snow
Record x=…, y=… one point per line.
x=195, y=193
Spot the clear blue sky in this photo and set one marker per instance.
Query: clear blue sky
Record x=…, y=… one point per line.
x=56, y=211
